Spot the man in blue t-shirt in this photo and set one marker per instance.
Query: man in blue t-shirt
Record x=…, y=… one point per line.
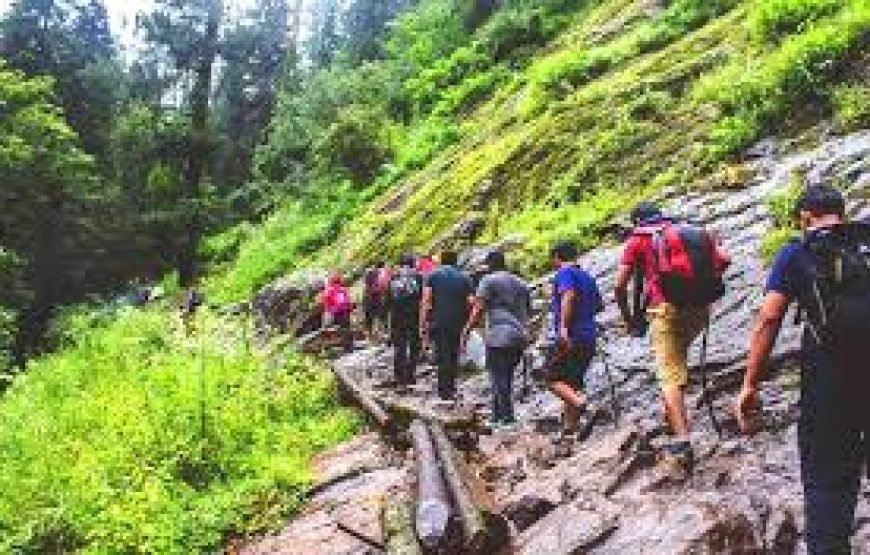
x=575, y=301
x=834, y=419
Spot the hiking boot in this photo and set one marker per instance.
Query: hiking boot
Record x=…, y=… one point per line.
x=678, y=459
x=587, y=420
x=564, y=443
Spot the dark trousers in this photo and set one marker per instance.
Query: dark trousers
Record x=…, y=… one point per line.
x=834, y=442
x=446, y=343
x=342, y=322
x=501, y=363
x=406, y=343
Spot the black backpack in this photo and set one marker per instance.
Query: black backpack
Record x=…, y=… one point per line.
x=405, y=287
x=838, y=304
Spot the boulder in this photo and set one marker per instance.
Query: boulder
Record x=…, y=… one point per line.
x=691, y=523
x=570, y=529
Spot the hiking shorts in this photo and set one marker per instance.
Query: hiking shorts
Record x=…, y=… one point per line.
x=571, y=367
x=672, y=331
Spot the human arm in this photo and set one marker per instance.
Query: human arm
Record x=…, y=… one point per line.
x=569, y=300
x=474, y=317
x=425, y=311
x=762, y=340
x=623, y=277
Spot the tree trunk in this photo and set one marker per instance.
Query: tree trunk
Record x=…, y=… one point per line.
x=198, y=147
x=433, y=506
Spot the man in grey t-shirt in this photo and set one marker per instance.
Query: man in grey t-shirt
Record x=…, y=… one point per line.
x=507, y=302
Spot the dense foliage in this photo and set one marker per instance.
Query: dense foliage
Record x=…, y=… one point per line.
x=141, y=438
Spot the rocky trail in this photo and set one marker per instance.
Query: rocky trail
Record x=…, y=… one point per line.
x=610, y=495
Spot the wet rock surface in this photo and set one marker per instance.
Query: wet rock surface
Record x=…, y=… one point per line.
x=611, y=493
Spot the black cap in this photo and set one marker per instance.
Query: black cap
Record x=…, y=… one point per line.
x=645, y=211
x=407, y=260
x=495, y=260
x=821, y=200
x=565, y=251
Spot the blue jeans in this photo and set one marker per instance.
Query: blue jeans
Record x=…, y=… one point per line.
x=501, y=363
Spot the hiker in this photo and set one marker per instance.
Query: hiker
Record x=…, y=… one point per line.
x=338, y=307
x=681, y=268
x=373, y=301
x=827, y=273
x=446, y=297
x=575, y=302
x=506, y=300
x=404, y=294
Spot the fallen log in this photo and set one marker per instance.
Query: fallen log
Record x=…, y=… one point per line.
x=397, y=522
x=460, y=420
x=362, y=398
x=473, y=525
x=432, y=519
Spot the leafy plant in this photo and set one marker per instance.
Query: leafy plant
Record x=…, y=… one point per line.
x=141, y=438
x=852, y=106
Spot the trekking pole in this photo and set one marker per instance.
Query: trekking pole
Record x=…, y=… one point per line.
x=611, y=383
x=705, y=386
x=524, y=393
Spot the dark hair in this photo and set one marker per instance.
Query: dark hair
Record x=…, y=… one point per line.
x=565, y=251
x=407, y=260
x=820, y=200
x=495, y=261
x=449, y=258
x=645, y=211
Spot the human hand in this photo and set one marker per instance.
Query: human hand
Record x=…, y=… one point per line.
x=747, y=403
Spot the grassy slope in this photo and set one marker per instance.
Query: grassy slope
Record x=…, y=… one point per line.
x=624, y=102
x=140, y=438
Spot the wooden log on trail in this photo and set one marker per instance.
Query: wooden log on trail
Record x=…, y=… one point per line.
x=397, y=522
x=363, y=399
x=460, y=420
x=473, y=525
x=432, y=518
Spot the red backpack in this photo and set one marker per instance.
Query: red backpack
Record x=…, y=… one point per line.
x=336, y=299
x=688, y=262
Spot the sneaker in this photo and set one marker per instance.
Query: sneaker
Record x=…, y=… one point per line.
x=564, y=444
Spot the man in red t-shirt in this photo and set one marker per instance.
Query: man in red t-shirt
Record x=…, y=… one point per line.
x=672, y=328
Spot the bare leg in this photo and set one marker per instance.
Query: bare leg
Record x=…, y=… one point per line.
x=574, y=401
x=675, y=409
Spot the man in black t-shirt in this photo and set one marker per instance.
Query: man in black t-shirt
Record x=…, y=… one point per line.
x=446, y=298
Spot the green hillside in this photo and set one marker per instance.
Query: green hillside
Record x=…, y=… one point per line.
x=624, y=99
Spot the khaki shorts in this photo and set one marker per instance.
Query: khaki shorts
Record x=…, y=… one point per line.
x=672, y=331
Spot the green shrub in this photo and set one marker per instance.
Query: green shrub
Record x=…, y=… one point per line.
x=571, y=68
x=356, y=142
x=754, y=93
x=141, y=439
x=852, y=106
x=281, y=242
x=770, y=20
x=781, y=206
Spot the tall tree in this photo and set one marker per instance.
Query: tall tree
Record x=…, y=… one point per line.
x=189, y=31
x=254, y=52
x=70, y=41
x=48, y=191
